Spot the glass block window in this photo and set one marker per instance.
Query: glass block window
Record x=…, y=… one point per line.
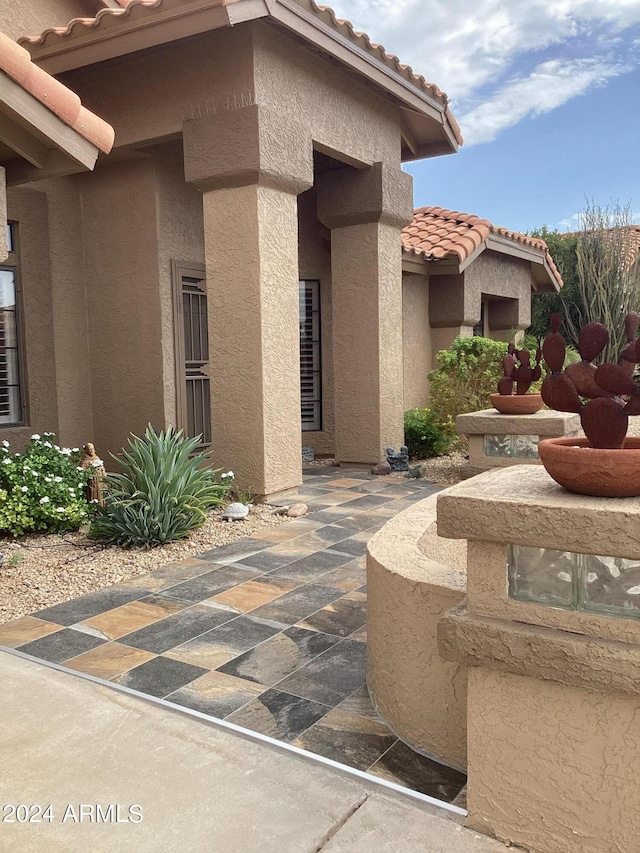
x=604, y=585
x=516, y=446
x=310, y=365
x=11, y=402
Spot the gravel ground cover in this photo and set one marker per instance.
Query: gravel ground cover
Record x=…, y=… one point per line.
x=46, y=569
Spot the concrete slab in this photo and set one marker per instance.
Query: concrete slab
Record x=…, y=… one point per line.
x=70, y=743
x=385, y=826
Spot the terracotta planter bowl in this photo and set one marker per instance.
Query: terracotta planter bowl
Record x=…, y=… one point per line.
x=516, y=404
x=582, y=469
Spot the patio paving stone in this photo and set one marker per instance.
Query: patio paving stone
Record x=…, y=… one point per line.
x=159, y=676
x=279, y=656
x=332, y=676
x=401, y=764
x=130, y=617
x=24, y=630
x=268, y=632
x=216, y=694
x=109, y=660
x=313, y=566
x=178, y=628
x=254, y=593
x=61, y=646
x=279, y=715
x=341, y=618
x=207, y=585
x=298, y=604
x=348, y=738
x=79, y=609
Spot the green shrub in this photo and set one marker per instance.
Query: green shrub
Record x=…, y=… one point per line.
x=425, y=435
x=161, y=495
x=42, y=488
x=468, y=372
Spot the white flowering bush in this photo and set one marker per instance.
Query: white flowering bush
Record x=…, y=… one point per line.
x=42, y=488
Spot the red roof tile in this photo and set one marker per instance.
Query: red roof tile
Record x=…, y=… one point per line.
x=327, y=15
x=16, y=62
x=437, y=233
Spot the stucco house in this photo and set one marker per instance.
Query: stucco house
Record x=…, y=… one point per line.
x=234, y=265
x=462, y=276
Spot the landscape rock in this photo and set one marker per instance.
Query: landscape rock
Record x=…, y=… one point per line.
x=382, y=469
x=418, y=472
x=297, y=510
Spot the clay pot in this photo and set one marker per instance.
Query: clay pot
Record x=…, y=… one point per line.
x=585, y=470
x=516, y=404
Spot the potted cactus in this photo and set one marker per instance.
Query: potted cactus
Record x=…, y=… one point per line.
x=519, y=376
x=606, y=463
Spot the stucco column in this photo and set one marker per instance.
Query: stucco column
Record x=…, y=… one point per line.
x=4, y=252
x=250, y=166
x=366, y=210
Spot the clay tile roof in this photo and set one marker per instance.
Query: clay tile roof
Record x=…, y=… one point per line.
x=437, y=233
x=105, y=17
x=16, y=62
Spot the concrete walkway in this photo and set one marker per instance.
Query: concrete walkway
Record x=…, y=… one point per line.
x=75, y=744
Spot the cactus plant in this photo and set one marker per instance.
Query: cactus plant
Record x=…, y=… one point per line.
x=518, y=371
x=604, y=396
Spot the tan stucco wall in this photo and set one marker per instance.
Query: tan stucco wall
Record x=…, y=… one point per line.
x=71, y=310
x=251, y=244
x=181, y=238
x=172, y=84
x=120, y=229
x=553, y=768
x=367, y=347
x=27, y=18
x=341, y=111
x=314, y=259
x=28, y=208
x=494, y=274
x=416, y=340
x=413, y=578
x=3, y=216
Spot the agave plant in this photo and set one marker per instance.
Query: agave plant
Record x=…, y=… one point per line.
x=162, y=493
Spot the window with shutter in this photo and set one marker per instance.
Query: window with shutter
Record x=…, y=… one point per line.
x=310, y=366
x=193, y=393
x=11, y=396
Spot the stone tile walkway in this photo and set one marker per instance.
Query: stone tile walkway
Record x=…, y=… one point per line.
x=268, y=633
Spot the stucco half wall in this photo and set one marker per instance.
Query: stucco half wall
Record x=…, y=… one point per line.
x=413, y=578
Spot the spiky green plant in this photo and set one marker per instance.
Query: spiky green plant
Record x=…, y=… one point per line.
x=162, y=493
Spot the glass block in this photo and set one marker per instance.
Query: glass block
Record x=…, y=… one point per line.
x=497, y=445
x=511, y=446
x=610, y=585
x=542, y=576
x=525, y=446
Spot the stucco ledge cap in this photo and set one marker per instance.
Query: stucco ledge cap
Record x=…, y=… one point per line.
x=522, y=505
x=547, y=654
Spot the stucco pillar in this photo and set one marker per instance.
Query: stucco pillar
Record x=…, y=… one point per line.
x=4, y=252
x=250, y=166
x=366, y=209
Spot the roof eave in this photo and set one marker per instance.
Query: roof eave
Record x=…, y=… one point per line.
x=137, y=30
x=38, y=137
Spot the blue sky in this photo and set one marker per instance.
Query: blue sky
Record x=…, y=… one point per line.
x=547, y=93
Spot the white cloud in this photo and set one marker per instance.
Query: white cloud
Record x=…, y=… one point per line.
x=469, y=48
x=549, y=86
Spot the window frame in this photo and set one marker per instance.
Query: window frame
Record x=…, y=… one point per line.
x=12, y=264
x=180, y=270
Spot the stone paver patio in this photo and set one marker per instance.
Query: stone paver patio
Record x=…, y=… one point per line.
x=267, y=633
